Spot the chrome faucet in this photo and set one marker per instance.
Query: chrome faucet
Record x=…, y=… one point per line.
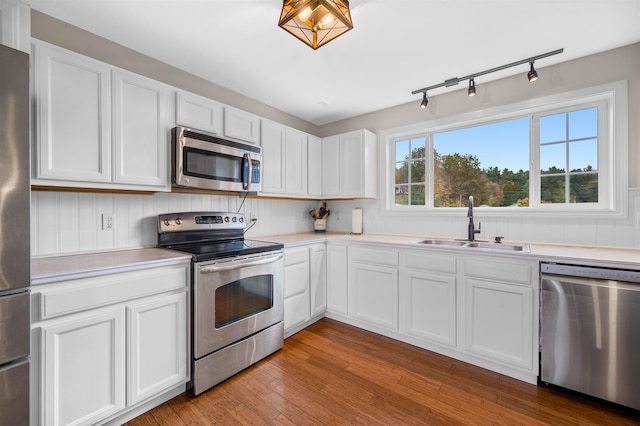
x=472, y=228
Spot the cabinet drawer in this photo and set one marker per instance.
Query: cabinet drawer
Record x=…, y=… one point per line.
x=64, y=298
x=439, y=262
x=375, y=256
x=510, y=271
x=296, y=255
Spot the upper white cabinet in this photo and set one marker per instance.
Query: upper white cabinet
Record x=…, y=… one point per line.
x=15, y=25
x=284, y=156
x=96, y=126
x=314, y=166
x=241, y=125
x=349, y=165
x=199, y=113
x=141, y=130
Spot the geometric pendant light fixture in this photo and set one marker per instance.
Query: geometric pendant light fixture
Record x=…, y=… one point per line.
x=316, y=22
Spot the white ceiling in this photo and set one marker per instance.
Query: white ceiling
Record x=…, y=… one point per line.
x=396, y=46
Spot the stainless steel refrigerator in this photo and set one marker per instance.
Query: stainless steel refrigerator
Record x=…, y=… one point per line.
x=15, y=258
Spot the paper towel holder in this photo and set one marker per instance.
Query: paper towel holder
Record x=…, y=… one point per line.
x=356, y=221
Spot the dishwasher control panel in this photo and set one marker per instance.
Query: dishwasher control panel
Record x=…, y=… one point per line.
x=591, y=272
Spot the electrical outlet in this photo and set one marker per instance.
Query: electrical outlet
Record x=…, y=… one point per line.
x=108, y=221
x=253, y=217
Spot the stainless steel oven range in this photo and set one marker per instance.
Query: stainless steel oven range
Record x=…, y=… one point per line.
x=237, y=293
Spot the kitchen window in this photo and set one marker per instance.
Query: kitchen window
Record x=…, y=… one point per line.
x=564, y=153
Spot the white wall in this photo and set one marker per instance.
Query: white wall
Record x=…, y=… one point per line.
x=623, y=232
x=70, y=222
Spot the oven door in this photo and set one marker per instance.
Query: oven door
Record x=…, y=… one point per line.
x=235, y=298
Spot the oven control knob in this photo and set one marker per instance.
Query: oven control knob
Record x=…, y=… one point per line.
x=234, y=219
x=226, y=218
x=241, y=219
x=167, y=222
x=178, y=221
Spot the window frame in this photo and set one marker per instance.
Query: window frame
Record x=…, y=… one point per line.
x=611, y=100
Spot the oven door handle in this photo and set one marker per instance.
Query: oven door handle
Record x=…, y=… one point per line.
x=213, y=269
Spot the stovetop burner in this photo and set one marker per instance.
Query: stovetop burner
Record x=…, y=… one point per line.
x=209, y=235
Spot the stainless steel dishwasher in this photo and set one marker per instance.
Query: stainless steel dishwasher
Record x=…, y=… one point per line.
x=590, y=331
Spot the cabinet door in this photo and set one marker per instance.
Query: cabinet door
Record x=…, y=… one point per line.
x=296, y=286
x=337, y=278
x=351, y=164
x=241, y=125
x=331, y=166
x=314, y=166
x=373, y=294
x=428, y=306
x=318, y=278
x=83, y=377
x=15, y=25
x=141, y=130
x=157, y=345
x=197, y=112
x=499, y=321
x=273, y=148
x=295, y=169
x=73, y=117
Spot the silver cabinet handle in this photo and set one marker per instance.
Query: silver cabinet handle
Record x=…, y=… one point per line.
x=214, y=268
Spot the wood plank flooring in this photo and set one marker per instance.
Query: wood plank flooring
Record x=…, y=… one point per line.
x=333, y=374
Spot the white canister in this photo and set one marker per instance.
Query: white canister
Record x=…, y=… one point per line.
x=320, y=225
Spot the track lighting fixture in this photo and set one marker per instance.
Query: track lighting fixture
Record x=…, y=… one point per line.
x=425, y=101
x=472, y=88
x=532, y=75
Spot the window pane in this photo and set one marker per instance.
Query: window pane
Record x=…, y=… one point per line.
x=418, y=148
x=583, y=155
x=584, y=188
x=552, y=189
x=481, y=161
x=402, y=172
x=553, y=158
x=402, y=195
x=417, y=171
x=402, y=150
x=583, y=123
x=553, y=128
x=417, y=195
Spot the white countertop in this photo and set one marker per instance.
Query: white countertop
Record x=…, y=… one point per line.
x=48, y=269
x=612, y=257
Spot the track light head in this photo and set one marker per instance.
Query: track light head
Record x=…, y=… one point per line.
x=532, y=75
x=472, y=88
x=425, y=101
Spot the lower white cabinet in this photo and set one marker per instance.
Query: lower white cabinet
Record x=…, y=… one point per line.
x=157, y=337
x=337, y=278
x=305, y=286
x=104, y=345
x=501, y=320
x=83, y=362
x=318, y=278
x=373, y=286
x=296, y=287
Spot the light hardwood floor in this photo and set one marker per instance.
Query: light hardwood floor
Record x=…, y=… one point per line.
x=332, y=374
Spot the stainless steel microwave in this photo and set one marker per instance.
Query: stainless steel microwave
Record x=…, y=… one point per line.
x=201, y=160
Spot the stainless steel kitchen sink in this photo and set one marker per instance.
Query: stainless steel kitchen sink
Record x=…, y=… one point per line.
x=442, y=242
x=476, y=244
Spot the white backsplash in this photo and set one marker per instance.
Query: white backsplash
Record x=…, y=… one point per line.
x=70, y=222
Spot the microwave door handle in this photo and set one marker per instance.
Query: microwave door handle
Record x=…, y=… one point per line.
x=213, y=269
x=246, y=171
